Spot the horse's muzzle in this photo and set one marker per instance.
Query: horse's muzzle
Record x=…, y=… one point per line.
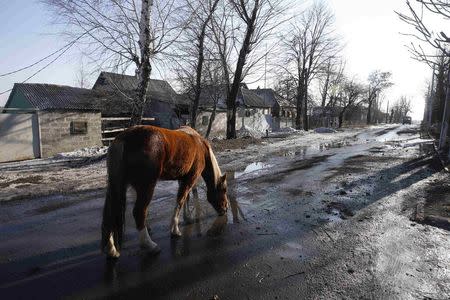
x=222, y=212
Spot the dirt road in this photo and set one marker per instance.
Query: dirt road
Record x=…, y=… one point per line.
x=308, y=220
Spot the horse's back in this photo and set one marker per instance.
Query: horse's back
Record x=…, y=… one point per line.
x=171, y=154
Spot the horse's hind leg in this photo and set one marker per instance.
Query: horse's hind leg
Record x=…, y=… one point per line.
x=183, y=194
x=144, y=196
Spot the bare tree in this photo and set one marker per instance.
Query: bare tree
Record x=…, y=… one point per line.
x=330, y=77
x=118, y=34
x=81, y=76
x=423, y=33
x=400, y=109
x=285, y=86
x=258, y=19
x=350, y=95
x=309, y=44
x=378, y=82
x=193, y=49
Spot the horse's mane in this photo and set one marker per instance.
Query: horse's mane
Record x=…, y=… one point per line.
x=215, y=166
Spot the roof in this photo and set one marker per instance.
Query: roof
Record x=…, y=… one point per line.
x=211, y=94
x=251, y=99
x=159, y=90
x=271, y=97
x=246, y=97
x=44, y=96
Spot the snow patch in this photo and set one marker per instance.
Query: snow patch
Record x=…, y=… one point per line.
x=84, y=152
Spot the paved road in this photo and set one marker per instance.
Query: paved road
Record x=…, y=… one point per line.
x=314, y=222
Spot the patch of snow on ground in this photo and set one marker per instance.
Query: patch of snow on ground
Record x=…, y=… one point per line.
x=84, y=152
x=248, y=132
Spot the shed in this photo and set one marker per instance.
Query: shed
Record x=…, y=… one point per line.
x=58, y=119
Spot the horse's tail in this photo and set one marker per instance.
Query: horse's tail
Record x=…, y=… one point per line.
x=115, y=202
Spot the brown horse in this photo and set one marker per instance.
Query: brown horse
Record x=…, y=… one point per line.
x=142, y=155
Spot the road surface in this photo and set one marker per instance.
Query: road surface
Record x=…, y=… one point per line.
x=325, y=221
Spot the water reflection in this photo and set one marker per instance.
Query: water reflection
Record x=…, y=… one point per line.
x=235, y=208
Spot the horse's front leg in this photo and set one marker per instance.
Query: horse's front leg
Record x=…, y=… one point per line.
x=183, y=194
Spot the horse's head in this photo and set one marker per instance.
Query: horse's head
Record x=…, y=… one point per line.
x=218, y=198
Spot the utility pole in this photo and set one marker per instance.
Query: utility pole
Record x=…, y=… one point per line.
x=445, y=116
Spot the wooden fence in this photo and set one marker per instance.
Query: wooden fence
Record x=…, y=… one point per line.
x=112, y=126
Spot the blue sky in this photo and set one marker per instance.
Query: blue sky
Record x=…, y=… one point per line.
x=370, y=30
x=26, y=35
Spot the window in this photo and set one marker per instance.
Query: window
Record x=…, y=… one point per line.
x=78, y=127
x=205, y=120
x=247, y=113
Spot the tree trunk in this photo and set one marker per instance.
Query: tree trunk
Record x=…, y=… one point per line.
x=201, y=58
x=305, y=108
x=369, y=112
x=341, y=117
x=245, y=50
x=145, y=67
x=298, y=116
x=211, y=120
x=324, y=97
x=198, y=83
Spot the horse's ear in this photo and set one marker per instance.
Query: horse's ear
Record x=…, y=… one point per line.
x=223, y=180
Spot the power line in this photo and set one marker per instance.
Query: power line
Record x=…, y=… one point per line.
x=41, y=69
x=63, y=49
x=35, y=63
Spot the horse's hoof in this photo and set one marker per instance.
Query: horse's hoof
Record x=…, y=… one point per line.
x=154, y=251
x=175, y=235
x=113, y=254
x=189, y=220
x=151, y=251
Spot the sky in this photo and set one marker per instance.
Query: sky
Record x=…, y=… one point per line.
x=370, y=30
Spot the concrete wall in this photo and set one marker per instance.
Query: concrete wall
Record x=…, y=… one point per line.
x=55, y=134
x=282, y=122
x=19, y=137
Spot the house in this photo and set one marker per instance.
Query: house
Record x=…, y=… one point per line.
x=252, y=111
x=283, y=111
x=40, y=120
x=118, y=91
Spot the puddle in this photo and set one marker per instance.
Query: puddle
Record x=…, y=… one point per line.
x=253, y=167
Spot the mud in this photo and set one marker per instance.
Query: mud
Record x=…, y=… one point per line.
x=36, y=179
x=435, y=210
x=227, y=145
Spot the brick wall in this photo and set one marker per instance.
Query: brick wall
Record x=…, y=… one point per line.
x=55, y=133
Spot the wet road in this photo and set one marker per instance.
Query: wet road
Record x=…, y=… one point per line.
x=304, y=223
